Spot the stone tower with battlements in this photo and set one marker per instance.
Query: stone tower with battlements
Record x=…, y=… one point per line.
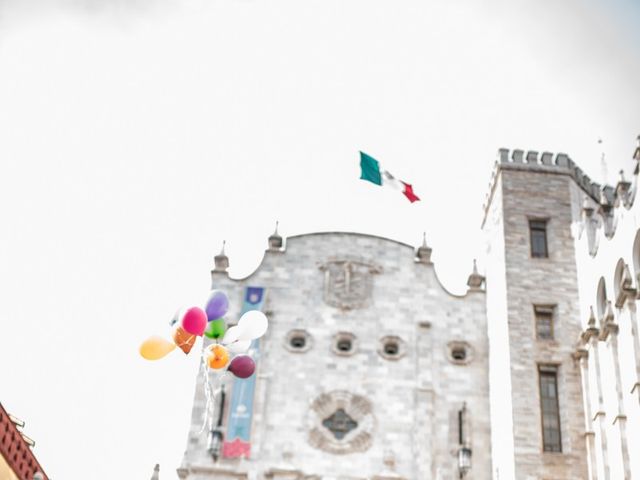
x=534, y=316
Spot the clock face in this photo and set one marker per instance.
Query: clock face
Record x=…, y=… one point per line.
x=348, y=283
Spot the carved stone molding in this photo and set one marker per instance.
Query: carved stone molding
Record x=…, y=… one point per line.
x=341, y=422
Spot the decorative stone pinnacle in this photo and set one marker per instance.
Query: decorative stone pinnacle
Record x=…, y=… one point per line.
x=156, y=472
x=221, y=261
x=275, y=240
x=608, y=312
x=424, y=252
x=592, y=319
x=592, y=329
x=475, y=279
x=627, y=279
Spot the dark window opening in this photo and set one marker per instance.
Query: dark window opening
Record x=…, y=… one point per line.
x=391, y=348
x=459, y=354
x=298, y=342
x=550, y=411
x=344, y=345
x=538, y=233
x=340, y=424
x=544, y=322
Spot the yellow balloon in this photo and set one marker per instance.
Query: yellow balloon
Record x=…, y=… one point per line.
x=156, y=347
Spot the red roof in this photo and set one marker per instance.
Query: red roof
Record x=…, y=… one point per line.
x=15, y=449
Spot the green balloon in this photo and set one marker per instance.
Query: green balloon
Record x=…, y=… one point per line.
x=216, y=328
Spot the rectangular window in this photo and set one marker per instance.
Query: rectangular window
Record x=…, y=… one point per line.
x=549, y=409
x=538, y=233
x=544, y=321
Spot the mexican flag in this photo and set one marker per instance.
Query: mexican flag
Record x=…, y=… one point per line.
x=372, y=172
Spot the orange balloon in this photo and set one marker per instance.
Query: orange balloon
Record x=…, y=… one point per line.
x=183, y=339
x=217, y=357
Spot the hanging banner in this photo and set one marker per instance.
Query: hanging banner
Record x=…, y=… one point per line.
x=237, y=442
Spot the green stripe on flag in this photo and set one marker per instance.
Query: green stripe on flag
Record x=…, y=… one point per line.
x=370, y=169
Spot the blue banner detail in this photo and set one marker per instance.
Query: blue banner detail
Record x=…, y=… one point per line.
x=238, y=438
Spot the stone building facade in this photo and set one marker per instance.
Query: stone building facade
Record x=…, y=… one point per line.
x=371, y=370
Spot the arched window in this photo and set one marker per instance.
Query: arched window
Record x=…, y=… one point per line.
x=617, y=283
x=601, y=298
x=636, y=254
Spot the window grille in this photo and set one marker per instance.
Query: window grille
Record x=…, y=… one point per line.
x=549, y=409
x=544, y=322
x=538, y=233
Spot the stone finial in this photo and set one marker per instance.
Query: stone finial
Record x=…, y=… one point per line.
x=609, y=325
x=275, y=240
x=627, y=279
x=475, y=280
x=592, y=322
x=221, y=261
x=592, y=327
x=636, y=154
x=622, y=189
x=156, y=472
x=608, y=316
x=424, y=252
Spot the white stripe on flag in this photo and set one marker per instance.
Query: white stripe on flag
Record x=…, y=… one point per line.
x=391, y=181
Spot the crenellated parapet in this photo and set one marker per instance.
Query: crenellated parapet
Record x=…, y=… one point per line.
x=601, y=203
x=547, y=162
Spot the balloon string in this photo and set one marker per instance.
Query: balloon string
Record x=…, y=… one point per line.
x=209, y=394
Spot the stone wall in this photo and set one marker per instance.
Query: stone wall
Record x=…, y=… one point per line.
x=413, y=401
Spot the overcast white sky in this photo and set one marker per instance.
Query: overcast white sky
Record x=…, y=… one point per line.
x=136, y=135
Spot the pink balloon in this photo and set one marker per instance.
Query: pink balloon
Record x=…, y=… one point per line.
x=194, y=321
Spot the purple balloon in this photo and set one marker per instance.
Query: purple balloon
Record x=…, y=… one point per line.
x=242, y=366
x=217, y=305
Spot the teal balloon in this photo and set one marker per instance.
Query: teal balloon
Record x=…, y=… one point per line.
x=216, y=328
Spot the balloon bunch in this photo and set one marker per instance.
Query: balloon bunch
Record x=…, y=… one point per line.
x=230, y=344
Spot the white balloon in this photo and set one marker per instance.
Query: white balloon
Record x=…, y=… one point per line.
x=241, y=346
x=232, y=335
x=253, y=324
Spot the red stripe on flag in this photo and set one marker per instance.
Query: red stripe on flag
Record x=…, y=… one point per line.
x=408, y=192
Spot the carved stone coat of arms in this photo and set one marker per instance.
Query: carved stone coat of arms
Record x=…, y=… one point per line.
x=348, y=283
